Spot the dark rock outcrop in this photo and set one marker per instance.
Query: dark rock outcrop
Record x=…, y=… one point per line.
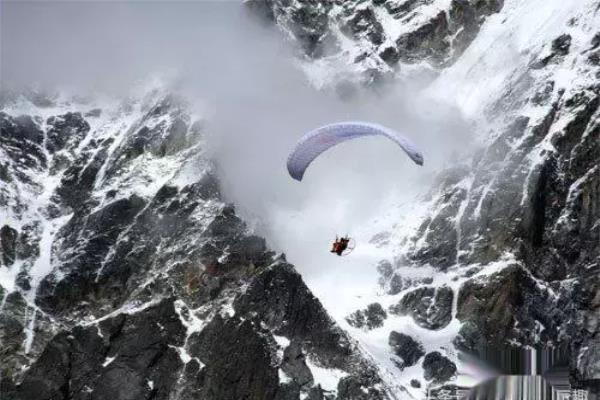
x=364, y=22
x=537, y=205
x=235, y=351
x=65, y=131
x=430, y=307
x=101, y=231
x=561, y=44
x=407, y=348
x=320, y=27
x=116, y=360
x=22, y=139
x=277, y=298
x=370, y=318
x=438, y=368
x=8, y=241
x=360, y=388
x=525, y=207
x=283, y=302
x=308, y=22
x=426, y=42
x=492, y=310
x=394, y=282
x=151, y=291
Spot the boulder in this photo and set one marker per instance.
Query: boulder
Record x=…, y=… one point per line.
x=359, y=388
x=438, y=368
x=415, y=383
x=8, y=242
x=430, y=307
x=370, y=318
x=405, y=347
x=561, y=44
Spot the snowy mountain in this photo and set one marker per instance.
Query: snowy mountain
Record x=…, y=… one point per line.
x=370, y=40
x=506, y=250
x=126, y=274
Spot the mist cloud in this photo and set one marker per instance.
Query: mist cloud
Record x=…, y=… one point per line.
x=244, y=76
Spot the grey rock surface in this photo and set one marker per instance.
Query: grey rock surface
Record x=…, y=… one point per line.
x=438, y=368
x=430, y=307
x=155, y=288
x=370, y=318
x=408, y=349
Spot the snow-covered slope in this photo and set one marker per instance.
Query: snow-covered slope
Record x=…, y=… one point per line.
x=125, y=275
x=504, y=249
x=367, y=41
x=529, y=194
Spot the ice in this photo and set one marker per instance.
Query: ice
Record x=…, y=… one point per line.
x=282, y=341
x=30, y=330
x=108, y=361
x=283, y=377
x=128, y=308
x=184, y=356
x=188, y=318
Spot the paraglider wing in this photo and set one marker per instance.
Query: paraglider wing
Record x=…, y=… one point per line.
x=317, y=141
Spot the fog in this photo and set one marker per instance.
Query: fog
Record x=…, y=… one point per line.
x=244, y=77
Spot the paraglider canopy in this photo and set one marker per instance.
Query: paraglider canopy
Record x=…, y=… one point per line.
x=315, y=142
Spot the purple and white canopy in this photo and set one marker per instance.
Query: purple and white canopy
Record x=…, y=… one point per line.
x=317, y=141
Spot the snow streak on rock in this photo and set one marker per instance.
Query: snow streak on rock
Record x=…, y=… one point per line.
x=125, y=273
x=511, y=233
x=349, y=41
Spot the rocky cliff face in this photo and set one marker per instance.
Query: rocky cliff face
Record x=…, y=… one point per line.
x=512, y=232
x=125, y=276
x=531, y=193
x=369, y=40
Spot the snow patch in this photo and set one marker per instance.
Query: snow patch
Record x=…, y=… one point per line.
x=282, y=341
x=328, y=378
x=108, y=361
x=283, y=377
